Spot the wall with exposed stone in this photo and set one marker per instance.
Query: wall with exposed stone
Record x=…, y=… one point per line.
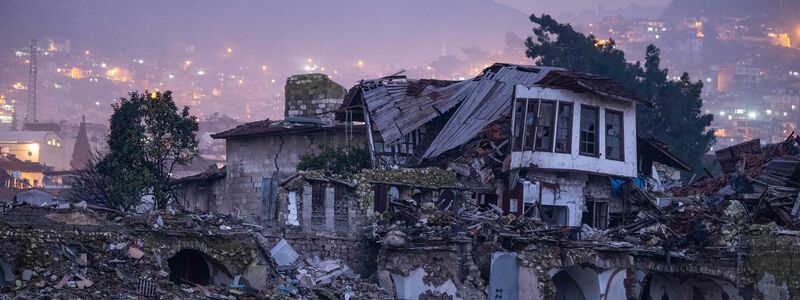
x=774, y=263
x=42, y=246
x=252, y=159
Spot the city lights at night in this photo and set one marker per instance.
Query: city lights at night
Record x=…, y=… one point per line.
x=416, y=149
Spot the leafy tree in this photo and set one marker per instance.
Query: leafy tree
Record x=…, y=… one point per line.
x=675, y=116
x=149, y=137
x=341, y=160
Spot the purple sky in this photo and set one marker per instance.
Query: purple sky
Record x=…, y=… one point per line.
x=575, y=6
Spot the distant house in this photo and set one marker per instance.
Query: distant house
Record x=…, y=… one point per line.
x=18, y=174
x=46, y=147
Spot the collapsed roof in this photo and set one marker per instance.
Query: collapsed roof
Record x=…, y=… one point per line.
x=398, y=105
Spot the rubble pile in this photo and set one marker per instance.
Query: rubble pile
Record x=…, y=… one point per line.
x=76, y=252
x=310, y=277
x=760, y=187
x=409, y=222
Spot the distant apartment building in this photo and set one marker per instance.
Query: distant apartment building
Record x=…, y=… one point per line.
x=45, y=147
x=741, y=76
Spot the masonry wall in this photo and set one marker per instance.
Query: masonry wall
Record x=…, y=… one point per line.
x=252, y=159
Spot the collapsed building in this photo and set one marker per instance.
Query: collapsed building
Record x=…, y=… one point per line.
x=557, y=195
x=524, y=182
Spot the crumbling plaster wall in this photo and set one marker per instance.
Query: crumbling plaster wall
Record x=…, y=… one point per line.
x=613, y=274
x=443, y=272
x=252, y=159
x=570, y=192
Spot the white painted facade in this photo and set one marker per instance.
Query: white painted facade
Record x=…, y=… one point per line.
x=573, y=161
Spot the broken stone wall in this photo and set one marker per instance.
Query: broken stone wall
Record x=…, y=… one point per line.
x=250, y=160
x=340, y=211
x=205, y=196
x=73, y=250
x=774, y=263
x=615, y=274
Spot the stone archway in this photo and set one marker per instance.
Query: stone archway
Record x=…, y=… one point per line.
x=190, y=266
x=687, y=286
x=566, y=287
x=576, y=282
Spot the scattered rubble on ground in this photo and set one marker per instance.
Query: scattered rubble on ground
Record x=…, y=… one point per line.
x=77, y=252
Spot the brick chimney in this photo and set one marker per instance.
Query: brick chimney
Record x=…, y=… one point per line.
x=313, y=96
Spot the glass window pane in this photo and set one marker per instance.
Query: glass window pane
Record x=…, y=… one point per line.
x=530, y=124
x=564, y=131
x=588, y=138
x=519, y=117
x=544, y=131
x=614, y=135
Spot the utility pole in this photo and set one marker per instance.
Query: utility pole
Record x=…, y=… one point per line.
x=30, y=116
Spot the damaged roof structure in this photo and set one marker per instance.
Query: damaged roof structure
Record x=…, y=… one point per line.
x=398, y=106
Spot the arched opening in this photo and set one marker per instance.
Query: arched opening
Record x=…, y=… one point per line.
x=660, y=286
x=566, y=287
x=189, y=266
x=576, y=282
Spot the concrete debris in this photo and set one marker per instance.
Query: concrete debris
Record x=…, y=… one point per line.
x=27, y=275
x=135, y=253
x=283, y=254
x=319, y=278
